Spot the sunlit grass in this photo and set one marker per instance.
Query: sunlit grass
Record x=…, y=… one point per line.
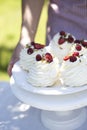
x=10, y=23
x=4, y=76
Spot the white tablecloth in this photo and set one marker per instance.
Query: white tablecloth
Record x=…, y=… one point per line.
x=15, y=115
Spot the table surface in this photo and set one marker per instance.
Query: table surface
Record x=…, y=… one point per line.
x=15, y=115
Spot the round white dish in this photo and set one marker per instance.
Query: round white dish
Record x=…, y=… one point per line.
x=62, y=107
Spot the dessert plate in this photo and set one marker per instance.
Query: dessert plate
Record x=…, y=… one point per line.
x=20, y=77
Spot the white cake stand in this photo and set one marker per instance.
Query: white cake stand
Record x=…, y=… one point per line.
x=62, y=109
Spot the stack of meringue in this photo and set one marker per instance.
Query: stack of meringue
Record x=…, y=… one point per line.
x=27, y=55
x=65, y=60
x=74, y=66
x=61, y=44
x=74, y=70
x=41, y=66
x=44, y=71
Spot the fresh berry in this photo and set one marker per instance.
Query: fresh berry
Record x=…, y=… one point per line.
x=30, y=51
x=48, y=57
x=75, y=54
x=77, y=41
x=66, y=58
x=33, y=43
x=38, y=57
x=38, y=46
x=62, y=33
x=61, y=40
x=70, y=39
x=78, y=47
x=84, y=44
x=73, y=58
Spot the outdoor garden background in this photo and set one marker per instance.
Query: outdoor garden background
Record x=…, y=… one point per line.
x=10, y=24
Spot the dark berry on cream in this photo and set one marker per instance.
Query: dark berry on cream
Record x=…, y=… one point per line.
x=84, y=44
x=70, y=39
x=48, y=57
x=32, y=43
x=30, y=51
x=38, y=57
x=75, y=54
x=77, y=41
x=78, y=47
x=62, y=33
x=61, y=40
x=38, y=46
x=73, y=58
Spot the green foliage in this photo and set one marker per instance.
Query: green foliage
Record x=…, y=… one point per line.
x=10, y=23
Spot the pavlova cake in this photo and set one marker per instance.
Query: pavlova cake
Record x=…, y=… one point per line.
x=61, y=44
x=41, y=66
x=63, y=61
x=28, y=54
x=74, y=70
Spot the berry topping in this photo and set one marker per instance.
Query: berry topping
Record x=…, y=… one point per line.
x=33, y=43
x=78, y=47
x=75, y=54
x=61, y=40
x=73, y=58
x=84, y=43
x=30, y=51
x=48, y=57
x=62, y=33
x=66, y=58
x=38, y=46
x=38, y=57
x=77, y=41
x=70, y=39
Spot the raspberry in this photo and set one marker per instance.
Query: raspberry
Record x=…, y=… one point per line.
x=78, y=47
x=70, y=39
x=30, y=51
x=62, y=33
x=61, y=40
x=84, y=44
x=77, y=41
x=38, y=57
x=73, y=58
x=66, y=58
x=33, y=43
x=48, y=57
x=38, y=46
x=76, y=54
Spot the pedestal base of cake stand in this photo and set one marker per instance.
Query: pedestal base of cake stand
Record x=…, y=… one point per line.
x=58, y=112
x=63, y=120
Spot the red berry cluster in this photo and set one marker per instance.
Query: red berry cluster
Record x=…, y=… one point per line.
x=63, y=38
x=72, y=57
x=79, y=44
x=47, y=57
x=33, y=46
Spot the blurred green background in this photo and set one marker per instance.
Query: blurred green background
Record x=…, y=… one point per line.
x=10, y=23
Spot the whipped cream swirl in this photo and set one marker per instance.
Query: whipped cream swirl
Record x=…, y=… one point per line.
x=74, y=73
x=43, y=74
x=26, y=60
x=59, y=50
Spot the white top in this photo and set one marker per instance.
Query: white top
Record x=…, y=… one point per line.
x=67, y=15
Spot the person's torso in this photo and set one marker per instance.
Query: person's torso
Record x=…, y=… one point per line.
x=67, y=15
